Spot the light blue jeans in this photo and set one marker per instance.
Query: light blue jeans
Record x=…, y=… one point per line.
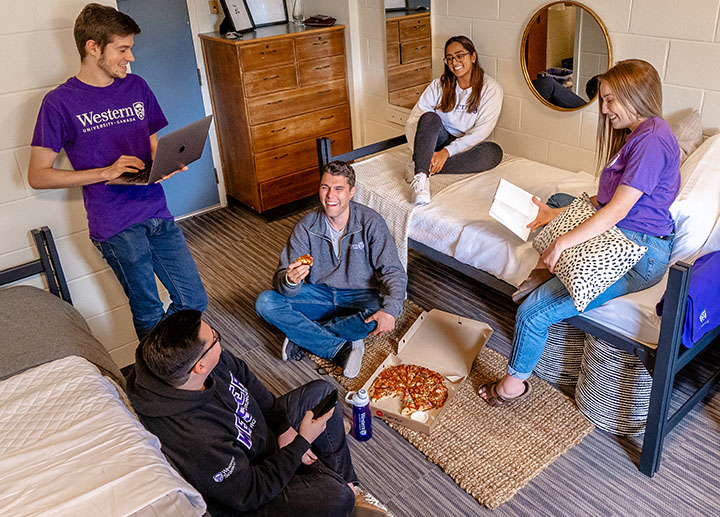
x=154, y=247
x=551, y=303
x=321, y=318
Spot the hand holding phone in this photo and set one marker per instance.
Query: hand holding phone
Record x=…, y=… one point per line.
x=325, y=405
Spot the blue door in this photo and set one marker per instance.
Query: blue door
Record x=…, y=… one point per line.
x=165, y=58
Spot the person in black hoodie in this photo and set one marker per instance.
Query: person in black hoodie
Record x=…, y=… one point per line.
x=246, y=451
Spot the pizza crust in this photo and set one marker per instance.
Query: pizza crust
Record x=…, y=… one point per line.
x=305, y=259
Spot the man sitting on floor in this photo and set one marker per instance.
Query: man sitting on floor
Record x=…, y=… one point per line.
x=355, y=286
x=243, y=449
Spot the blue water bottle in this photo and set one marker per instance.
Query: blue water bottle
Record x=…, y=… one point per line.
x=362, y=421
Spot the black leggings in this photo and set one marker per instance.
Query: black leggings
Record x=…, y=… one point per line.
x=431, y=136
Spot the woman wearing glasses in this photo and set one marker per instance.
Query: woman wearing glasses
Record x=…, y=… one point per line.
x=455, y=114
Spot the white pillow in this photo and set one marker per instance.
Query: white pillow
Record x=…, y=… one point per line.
x=696, y=209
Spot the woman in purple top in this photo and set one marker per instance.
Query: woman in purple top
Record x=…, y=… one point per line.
x=636, y=188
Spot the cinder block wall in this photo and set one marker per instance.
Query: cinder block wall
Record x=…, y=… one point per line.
x=681, y=39
x=37, y=52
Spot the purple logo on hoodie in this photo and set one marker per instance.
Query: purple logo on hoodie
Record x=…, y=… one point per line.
x=244, y=421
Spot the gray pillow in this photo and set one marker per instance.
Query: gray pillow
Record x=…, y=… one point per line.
x=589, y=268
x=688, y=131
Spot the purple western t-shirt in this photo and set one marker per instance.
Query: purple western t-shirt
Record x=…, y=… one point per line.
x=96, y=126
x=650, y=162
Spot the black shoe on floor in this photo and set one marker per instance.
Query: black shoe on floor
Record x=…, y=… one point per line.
x=290, y=351
x=341, y=358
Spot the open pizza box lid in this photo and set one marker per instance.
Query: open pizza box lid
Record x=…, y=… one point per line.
x=441, y=341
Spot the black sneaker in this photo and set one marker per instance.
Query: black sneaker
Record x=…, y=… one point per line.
x=341, y=358
x=291, y=351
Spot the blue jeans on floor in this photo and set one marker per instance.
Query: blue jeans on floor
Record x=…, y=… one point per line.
x=551, y=303
x=321, y=318
x=154, y=247
x=321, y=488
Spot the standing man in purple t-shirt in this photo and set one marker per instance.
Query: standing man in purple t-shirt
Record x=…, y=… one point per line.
x=107, y=122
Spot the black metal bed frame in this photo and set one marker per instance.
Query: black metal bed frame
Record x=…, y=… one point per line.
x=48, y=264
x=663, y=362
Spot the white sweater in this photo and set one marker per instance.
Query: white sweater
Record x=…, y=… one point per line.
x=469, y=129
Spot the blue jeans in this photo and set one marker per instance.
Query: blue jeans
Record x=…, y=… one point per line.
x=551, y=303
x=154, y=247
x=321, y=318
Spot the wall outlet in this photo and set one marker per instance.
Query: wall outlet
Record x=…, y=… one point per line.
x=397, y=116
x=214, y=9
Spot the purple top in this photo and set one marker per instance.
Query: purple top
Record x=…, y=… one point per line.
x=650, y=162
x=96, y=126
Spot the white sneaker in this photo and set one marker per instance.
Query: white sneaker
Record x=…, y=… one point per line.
x=354, y=361
x=409, y=171
x=421, y=189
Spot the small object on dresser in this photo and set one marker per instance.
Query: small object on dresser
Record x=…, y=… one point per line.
x=320, y=20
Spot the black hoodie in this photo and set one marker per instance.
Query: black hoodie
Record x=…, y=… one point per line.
x=222, y=439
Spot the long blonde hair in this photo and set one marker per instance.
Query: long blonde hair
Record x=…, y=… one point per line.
x=637, y=87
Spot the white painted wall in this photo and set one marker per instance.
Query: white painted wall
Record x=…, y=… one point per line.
x=38, y=53
x=680, y=39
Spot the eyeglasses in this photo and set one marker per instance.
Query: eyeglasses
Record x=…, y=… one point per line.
x=457, y=57
x=217, y=338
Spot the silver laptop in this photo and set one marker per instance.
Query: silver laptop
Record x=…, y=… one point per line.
x=174, y=151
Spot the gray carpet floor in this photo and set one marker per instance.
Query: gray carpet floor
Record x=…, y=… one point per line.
x=236, y=252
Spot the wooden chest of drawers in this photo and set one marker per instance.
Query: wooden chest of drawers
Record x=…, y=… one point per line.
x=273, y=94
x=409, y=58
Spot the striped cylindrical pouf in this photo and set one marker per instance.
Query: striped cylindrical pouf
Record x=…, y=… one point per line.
x=613, y=389
x=560, y=361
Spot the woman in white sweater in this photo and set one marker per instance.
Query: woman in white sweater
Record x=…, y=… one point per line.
x=455, y=114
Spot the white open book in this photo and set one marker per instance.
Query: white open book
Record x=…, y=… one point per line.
x=513, y=207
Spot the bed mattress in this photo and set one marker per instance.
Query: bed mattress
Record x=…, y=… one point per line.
x=457, y=224
x=68, y=446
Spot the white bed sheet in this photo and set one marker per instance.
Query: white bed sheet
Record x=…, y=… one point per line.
x=457, y=223
x=68, y=446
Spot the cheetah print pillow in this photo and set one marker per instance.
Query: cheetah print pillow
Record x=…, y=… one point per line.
x=589, y=268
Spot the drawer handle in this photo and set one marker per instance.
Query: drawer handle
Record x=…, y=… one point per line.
x=420, y=48
x=327, y=118
x=273, y=102
x=320, y=42
x=324, y=91
x=281, y=156
x=321, y=67
x=271, y=77
x=278, y=130
x=268, y=52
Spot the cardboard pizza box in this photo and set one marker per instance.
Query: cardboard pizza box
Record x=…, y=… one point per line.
x=441, y=341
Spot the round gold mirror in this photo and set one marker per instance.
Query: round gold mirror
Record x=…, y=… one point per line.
x=564, y=46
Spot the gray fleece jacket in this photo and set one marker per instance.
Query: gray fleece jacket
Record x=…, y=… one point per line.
x=368, y=257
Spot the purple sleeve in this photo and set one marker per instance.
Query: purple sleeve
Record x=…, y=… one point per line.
x=156, y=118
x=645, y=163
x=49, y=128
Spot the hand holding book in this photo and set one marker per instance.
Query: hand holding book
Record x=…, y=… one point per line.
x=517, y=209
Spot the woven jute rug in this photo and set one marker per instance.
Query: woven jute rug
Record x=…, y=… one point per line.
x=491, y=453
